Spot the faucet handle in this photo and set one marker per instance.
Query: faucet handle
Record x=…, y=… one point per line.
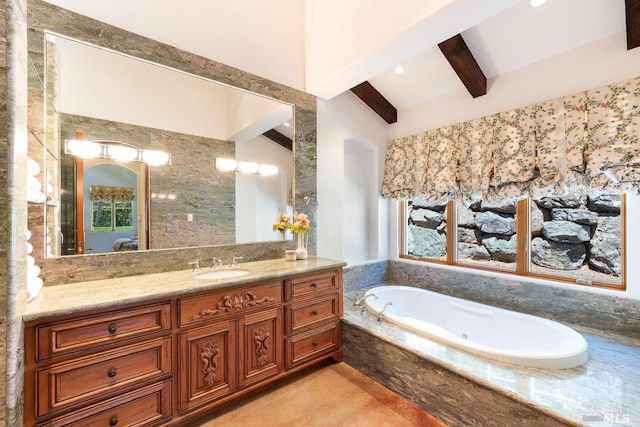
x=196, y=266
x=356, y=300
x=234, y=261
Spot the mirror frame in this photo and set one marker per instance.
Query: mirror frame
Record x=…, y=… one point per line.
x=46, y=16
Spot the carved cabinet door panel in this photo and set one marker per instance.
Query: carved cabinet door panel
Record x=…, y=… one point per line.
x=261, y=346
x=206, y=365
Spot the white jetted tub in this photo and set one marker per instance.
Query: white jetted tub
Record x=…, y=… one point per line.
x=491, y=332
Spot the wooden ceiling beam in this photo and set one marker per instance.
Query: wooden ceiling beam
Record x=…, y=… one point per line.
x=464, y=64
x=632, y=11
x=378, y=103
x=279, y=138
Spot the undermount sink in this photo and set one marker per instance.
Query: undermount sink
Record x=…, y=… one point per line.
x=221, y=274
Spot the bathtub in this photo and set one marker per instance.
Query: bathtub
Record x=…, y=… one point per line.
x=491, y=332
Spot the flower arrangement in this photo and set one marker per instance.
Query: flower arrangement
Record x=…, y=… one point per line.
x=283, y=222
x=301, y=223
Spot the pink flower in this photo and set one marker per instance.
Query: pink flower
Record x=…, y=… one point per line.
x=301, y=224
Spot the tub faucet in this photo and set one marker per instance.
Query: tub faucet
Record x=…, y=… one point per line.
x=360, y=301
x=196, y=266
x=234, y=261
x=381, y=314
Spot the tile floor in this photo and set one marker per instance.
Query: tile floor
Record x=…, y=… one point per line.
x=329, y=395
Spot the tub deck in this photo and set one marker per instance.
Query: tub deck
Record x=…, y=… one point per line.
x=603, y=392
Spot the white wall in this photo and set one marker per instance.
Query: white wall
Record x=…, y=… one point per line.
x=265, y=38
x=361, y=193
x=346, y=118
x=259, y=199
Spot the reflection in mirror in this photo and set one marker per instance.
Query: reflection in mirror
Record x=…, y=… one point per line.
x=108, y=96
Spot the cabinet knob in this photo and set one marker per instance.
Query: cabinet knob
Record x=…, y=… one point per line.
x=314, y=312
x=314, y=285
x=112, y=373
x=112, y=328
x=315, y=343
x=113, y=421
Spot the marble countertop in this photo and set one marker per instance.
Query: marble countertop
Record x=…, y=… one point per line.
x=99, y=294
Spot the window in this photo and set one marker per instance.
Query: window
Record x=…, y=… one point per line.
x=576, y=240
x=427, y=230
x=111, y=216
x=112, y=208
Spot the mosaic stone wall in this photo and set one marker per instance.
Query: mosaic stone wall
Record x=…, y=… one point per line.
x=13, y=202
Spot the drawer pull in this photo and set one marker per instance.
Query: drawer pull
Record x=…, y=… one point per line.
x=315, y=343
x=314, y=286
x=112, y=328
x=113, y=421
x=112, y=373
x=314, y=312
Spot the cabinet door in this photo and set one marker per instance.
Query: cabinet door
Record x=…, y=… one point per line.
x=260, y=346
x=206, y=369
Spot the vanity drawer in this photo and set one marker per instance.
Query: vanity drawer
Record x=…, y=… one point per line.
x=306, y=346
x=307, y=285
x=145, y=406
x=88, y=332
x=206, y=307
x=66, y=384
x=300, y=316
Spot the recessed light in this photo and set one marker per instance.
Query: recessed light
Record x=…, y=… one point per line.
x=399, y=69
x=536, y=3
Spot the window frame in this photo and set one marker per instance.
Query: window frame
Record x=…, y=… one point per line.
x=523, y=242
x=113, y=216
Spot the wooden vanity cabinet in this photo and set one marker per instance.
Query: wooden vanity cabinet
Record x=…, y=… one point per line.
x=169, y=362
x=228, y=339
x=91, y=367
x=313, y=308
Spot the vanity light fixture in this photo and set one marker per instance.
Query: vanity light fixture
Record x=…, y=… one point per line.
x=155, y=157
x=226, y=165
x=536, y=3
x=267, y=170
x=231, y=165
x=247, y=167
x=84, y=149
x=399, y=69
x=118, y=151
x=121, y=153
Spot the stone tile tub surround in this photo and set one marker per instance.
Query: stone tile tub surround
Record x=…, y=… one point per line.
x=462, y=389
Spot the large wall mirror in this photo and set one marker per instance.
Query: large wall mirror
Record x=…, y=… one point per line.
x=194, y=211
x=100, y=96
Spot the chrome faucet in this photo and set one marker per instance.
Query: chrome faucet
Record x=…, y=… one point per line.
x=234, y=261
x=196, y=266
x=215, y=264
x=381, y=314
x=359, y=301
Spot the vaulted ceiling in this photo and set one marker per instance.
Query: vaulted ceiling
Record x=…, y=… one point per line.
x=458, y=45
x=514, y=39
